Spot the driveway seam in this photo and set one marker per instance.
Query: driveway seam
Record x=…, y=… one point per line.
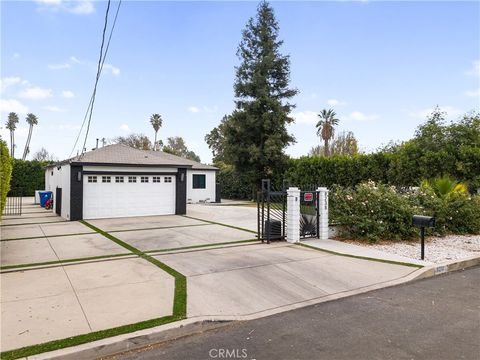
x=70, y=282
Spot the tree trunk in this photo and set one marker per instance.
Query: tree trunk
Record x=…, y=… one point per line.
x=155, y=142
x=326, y=149
x=13, y=144
x=27, y=144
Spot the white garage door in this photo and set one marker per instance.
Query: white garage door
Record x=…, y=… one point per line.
x=119, y=196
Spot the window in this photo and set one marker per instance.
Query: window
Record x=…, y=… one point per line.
x=156, y=179
x=92, y=179
x=119, y=179
x=132, y=179
x=167, y=179
x=199, y=181
x=106, y=179
x=144, y=179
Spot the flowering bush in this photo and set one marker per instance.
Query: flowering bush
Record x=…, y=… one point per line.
x=372, y=211
x=379, y=212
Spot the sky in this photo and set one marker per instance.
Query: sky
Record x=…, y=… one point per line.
x=382, y=66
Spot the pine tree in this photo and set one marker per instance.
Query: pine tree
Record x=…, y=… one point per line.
x=255, y=135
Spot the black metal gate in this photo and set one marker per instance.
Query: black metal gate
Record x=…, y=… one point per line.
x=13, y=205
x=271, y=213
x=309, y=214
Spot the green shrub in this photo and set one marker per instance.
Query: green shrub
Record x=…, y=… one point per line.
x=5, y=173
x=372, y=212
x=28, y=176
x=235, y=185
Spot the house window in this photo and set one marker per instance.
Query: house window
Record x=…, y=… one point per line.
x=156, y=179
x=92, y=179
x=167, y=179
x=144, y=179
x=119, y=179
x=199, y=181
x=106, y=179
x=132, y=179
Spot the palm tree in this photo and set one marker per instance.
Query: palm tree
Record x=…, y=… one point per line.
x=325, y=127
x=31, y=120
x=12, y=125
x=156, y=121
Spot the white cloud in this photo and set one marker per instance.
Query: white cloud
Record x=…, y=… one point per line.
x=75, y=60
x=67, y=94
x=36, y=93
x=204, y=108
x=59, y=66
x=69, y=127
x=359, y=116
x=9, y=105
x=473, y=93
x=125, y=127
x=475, y=69
x=15, y=55
x=305, y=117
x=53, y=108
x=79, y=7
x=422, y=114
x=335, y=102
x=193, y=109
x=9, y=81
x=115, y=71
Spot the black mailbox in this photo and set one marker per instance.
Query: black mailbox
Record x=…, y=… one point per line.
x=421, y=221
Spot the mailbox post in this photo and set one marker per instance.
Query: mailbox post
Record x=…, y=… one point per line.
x=423, y=222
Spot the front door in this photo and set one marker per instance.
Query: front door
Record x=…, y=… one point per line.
x=58, y=201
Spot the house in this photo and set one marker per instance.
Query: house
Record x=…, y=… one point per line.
x=120, y=181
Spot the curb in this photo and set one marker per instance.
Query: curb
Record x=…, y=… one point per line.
x=195, y=325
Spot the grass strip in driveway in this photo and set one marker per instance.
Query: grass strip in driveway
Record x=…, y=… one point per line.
x=61, y=262
x=35, y=223
x=179, y=310
x=202, y=246
x=49, y=236
x=158, y=228
x=217, y=223
x=363, y=257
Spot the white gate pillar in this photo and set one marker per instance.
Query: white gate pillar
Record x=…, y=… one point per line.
x=323, y=209
x=293, y=215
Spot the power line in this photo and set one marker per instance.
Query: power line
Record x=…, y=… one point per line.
x=101, y=62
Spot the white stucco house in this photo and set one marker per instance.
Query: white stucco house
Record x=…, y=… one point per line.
x=119, y=181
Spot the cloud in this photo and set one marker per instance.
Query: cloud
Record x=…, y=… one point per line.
x=53, y=108
x=78, y=7
x=125, y=127
x=67, y=94
x=422, y=114
x=473, y=93
x=305, y=117
x=204, y=108
x=15, y=55
x=335, y=102
x=9, y=105
x=193, y=109
x=359, y=116
x=75, y=60
x=115, y=71
x=36, y=93
x=9, y=81
x=69, y=127
x=475, y=69
x=59, y=66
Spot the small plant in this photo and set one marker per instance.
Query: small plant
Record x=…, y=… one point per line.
x=444, y=186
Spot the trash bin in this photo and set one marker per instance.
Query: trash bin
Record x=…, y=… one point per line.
x=44, y=197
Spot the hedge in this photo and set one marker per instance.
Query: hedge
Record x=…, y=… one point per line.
x=5, y=172
x=28, y=176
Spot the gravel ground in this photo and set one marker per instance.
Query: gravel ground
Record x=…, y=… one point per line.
x=437, y=249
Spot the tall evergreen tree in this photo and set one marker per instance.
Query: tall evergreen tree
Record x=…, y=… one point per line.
x=31, y=120
x=12, y=125
x=156, y=121
x=255, y=135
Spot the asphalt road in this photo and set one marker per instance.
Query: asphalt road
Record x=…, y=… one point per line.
x=436, y=318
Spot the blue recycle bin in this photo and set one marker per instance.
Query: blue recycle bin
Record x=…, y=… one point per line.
x=44, y=197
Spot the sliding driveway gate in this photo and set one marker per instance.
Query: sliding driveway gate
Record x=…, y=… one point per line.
x=272, y=212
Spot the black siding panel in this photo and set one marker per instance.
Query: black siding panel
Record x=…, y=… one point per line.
x=76, y=193
x=181, y=192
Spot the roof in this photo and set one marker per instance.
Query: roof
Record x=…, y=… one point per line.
x=119, y=154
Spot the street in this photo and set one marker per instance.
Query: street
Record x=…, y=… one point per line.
x=436, y=318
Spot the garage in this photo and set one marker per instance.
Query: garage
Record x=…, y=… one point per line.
x=133, y=195
x=120, y=181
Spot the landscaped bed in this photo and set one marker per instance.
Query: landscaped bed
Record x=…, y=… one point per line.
x=437, y=249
